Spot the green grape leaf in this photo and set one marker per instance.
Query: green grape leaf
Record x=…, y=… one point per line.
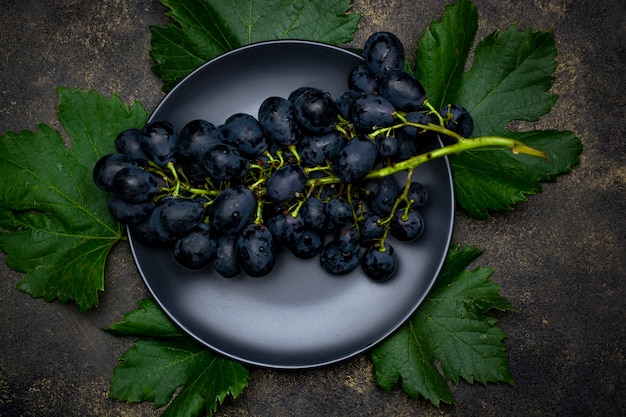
x=452, y=328
x=509, y=81
x=153, y=369
x=55, y=222
x=208, y=28
x=443, y=49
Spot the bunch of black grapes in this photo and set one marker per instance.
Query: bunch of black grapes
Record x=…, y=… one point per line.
x=307, y=173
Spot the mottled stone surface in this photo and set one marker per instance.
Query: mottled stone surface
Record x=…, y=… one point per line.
x=560, y=257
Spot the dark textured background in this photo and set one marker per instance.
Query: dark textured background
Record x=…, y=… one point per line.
x=560, y=257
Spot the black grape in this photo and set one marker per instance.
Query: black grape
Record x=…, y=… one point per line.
x=372, y=228
x=402, y=90
x=244, y=132
x=316, y=111
x=196, y=249
x=384, y=193
x=418, y=194
x=129, y=213
x=407, y=226
x=347, y=237
x=298, y=92
x=387, y=145
x=135, y=185
x=362, y=80
x=355, y=160
x=196, y=138
x=286, y=183
x=285, y=228
x=313, y=213
x=383, y=51
x=309, y=244
x=233, y=209
x=379, y=265
x=224, y=163
x=128, y=142
x=151, y=231
x=338, y=212
x=344, y=102
x=159, y=142
x=336, y=262
x=256, y=251
x=316, y=150
x=371, y=111
x=412, y=132
x=225, y=260
x=278, y=118
x=180, y=215
x=458, y=119
x=106, y=167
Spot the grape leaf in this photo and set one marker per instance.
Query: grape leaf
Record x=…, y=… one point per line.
x=443, y=49
x=509, y=81
x=154, y=368
x=208, y=28
x=450, y=327
x=55, y=222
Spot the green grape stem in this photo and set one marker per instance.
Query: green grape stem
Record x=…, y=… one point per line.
x=462, y=145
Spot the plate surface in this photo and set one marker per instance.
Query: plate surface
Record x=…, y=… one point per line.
x=298, y=316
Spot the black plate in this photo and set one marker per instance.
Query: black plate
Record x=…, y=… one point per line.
x=298, y=316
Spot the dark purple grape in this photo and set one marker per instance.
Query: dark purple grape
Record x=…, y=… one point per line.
x=347, y=237
x=383, y=51
x=313, y=213
x=196, y=138
x=310, y=244
x=151, y=231
x=316, y=111
x=225, y=260
x=384, y=193
x=362, y=80
x=402, y=90
x=159, y=142
x=345, y=100
x=372, y=229
x=412, y=132
x=336, y=262
x=195, y=172
x=418, y=195
x=224, y=163
x=129, y=213
x=256, y=251
x=245, y=133
x=407, y=226
x=298, y=92
x=196, y=249
x=457, y=119
x=285, y=228
x=134, y=184
x=278, y=118
x=316, y=150
x=387, y=145
x=286, y=183
x=371, y=111
x=181, y=215
x=338, y=212
x=106, y=167
x=379, y=265
x=128, y=142
x=233, y=209
x=355, y=160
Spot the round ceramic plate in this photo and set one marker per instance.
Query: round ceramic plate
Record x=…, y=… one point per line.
x=298, y=316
